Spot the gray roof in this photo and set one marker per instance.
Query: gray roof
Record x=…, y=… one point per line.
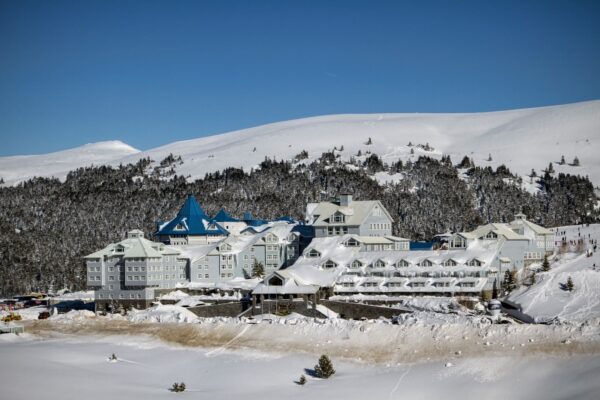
x=355, y=213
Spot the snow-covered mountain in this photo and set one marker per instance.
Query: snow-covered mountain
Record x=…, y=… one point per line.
x=521, y=139
x=58, y=164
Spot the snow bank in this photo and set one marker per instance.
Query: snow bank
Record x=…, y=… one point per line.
x=164, y=314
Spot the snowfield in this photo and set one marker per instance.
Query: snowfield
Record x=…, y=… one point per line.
x=427, y=356
x=547, y=299
x=520, y=139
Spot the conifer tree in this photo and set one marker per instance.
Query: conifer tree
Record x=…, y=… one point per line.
x=324, y=369
x=369, y=142
x=258, y=270
x=545, y=264
x=570, y=284
x=302, y=380
x=562, y=160
x=575, y=162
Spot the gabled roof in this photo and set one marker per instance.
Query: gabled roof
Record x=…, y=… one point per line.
x=191, y=220
x=135, y=247
x=223, y=216
x=356, y=212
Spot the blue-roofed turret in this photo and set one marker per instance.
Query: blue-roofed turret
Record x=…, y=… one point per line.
x=191, y=225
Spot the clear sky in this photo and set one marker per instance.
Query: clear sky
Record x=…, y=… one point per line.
x=152, y=72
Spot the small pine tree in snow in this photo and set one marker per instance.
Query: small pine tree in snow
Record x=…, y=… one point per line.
x=113, y=357
x=510, y=281
x=359, y=153
x=258, y=270
x=562, y=160
x=369, y=142
x=546, y=264
x=178, y=387
x=570, y=284
x=412, y=151
x=489, y=157
x=302, y=380
x=575, y=162
x=324, y=369
x=550, y=169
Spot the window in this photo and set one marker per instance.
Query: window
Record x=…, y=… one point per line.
x=379, y=264
x=449, y=263
x=313, y=254
x=129, y=277
x=131, y=296
x=330, y=231
x=338, y=217
x=425, y=263
x=111, y=287
x=329, y=264
x=356, y=264
x=111, y=269
x=111, y=278
x=206, y=276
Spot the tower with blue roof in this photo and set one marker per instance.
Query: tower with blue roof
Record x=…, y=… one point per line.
x=191, y=226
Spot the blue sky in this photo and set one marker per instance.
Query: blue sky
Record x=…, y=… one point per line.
x=152, y=72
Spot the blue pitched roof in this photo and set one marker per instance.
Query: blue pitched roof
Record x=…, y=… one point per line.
x=251, y=221
x=223, y=216
x=191, y=220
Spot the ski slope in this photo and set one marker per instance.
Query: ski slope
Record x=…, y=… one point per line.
x=521, y=139
x=548, y=300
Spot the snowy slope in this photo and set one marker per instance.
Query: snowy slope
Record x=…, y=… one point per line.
x=547, y=299
x=521, y=139
x=20, y=168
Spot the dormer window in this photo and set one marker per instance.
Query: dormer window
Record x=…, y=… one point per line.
x=312, y=253
x=458, y=242
x=402, y=263
x=491, y=235
x=271, y=238
x=329, y=264
x=425, y=263
x=449, y=263
x=338, y=217
x=179, y=227
x=379, y=264
x=474, y=263
x=225, y=247
x=356, y=264
x=275, y=281
x=352, y=243
x=119, y=249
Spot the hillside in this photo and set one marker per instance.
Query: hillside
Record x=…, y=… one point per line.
x=548, y=298
x=21, y=168
x=521, y=139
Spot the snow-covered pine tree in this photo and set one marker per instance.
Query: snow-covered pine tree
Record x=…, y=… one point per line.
x=258, y=270
x=545, y=264
x=570, y=284
x=562, y=160
x=575, y=162
x=324, y=369
x=302, y=380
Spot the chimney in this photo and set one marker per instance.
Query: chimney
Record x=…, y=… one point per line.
x=345, y=199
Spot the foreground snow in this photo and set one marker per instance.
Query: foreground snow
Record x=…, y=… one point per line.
x=77, y=368
x=521, y=139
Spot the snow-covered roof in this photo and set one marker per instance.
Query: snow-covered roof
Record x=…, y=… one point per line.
x=135, y=247
x=356, y=212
